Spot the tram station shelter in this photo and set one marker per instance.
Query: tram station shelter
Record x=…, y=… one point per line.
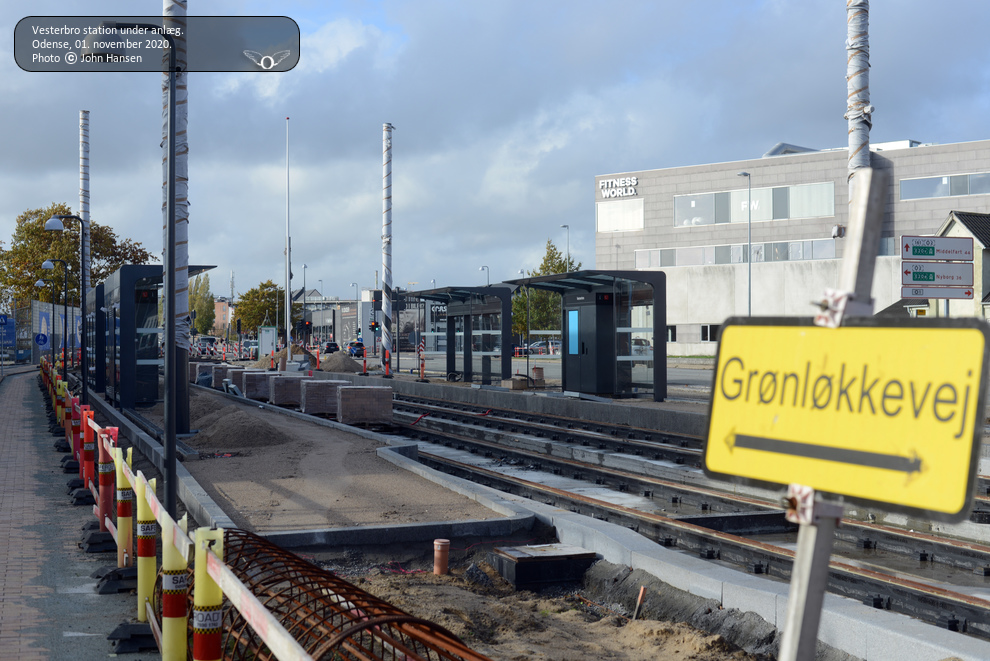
x=470, y=326
x=131, y=334
x=691, y=222
x=612, y=325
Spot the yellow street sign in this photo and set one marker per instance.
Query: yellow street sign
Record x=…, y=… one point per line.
x=885, y=414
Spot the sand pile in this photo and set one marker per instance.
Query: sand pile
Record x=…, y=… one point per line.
x=339, y=362
x=265, y=362
x=231, y=428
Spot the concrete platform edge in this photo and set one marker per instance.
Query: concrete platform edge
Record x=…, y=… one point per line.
x=680, y=422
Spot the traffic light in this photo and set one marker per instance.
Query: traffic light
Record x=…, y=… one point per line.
x=373, y=326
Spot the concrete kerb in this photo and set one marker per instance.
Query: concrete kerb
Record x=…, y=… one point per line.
x=877, y=632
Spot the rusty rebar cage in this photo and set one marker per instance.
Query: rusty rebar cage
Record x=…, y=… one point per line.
x=330, y=618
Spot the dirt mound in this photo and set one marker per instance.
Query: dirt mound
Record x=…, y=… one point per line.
x=234, y=429
x=338, y=362
x=265, y=362
x=209, y=418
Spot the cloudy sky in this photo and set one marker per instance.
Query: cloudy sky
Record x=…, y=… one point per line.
x=504, y=112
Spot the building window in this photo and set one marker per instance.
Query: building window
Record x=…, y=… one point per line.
x=812, y=200
x=709, y=332
x=952, y=185
x=760, y=204
x=620, y=215
x=671, y=333
x=694, y=210
x=888, y=247
x=780, y=251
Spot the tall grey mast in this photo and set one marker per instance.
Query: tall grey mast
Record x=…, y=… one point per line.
x=386, y=247
x=858, y=108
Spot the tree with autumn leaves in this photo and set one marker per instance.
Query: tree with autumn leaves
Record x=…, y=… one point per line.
x=261, y=306
x=32, y=244
x=544, y=306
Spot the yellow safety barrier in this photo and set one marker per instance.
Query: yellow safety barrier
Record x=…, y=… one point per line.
x=213, y=579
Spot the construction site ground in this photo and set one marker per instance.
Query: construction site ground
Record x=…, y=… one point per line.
x=271, y=473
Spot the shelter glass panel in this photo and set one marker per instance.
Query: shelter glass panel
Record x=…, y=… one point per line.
x=634, y=340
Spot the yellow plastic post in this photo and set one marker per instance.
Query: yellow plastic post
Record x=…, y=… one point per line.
x=175, y=584
x=207, y=599
x=125, y=513
x=59, y=390
x=147, y=560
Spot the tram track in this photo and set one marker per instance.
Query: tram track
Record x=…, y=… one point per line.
x=901, y=570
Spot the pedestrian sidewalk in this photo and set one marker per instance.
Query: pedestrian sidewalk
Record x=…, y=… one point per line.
x=49, y=608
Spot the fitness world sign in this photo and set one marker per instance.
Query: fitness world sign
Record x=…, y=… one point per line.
x=622, y=187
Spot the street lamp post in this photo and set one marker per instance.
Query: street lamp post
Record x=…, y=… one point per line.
x=51, y=340
x=304, y=306
x=749, y=248
x=323, y=298
x=47, y=265
x=488, y=274
x=55, y=224
x=528, y=331
x=357, y=312
x=567, y=266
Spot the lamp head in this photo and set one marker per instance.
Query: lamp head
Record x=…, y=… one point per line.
x=40, y=283
x=54, y=224
x=48, y=265
x=742, y=174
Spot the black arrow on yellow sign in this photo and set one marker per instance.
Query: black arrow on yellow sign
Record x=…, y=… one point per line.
x=891, y=462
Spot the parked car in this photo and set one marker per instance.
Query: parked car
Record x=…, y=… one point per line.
x=544, y=347
x=330, y=347
x=356, y=349
x=641, y=347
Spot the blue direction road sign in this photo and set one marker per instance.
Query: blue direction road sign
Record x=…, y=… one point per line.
x=3, y=320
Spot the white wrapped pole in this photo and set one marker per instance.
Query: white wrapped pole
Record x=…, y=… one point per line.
x=84, y=200
x=386, y=248
x=288, y=251
x=174, y=14
x=858, y=108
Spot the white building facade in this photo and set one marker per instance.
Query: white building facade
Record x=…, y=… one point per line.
x=692, y=222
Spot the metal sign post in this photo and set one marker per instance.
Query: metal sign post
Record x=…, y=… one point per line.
x=817, y=519
x=816, y=532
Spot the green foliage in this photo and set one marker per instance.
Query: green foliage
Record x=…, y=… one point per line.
x=544, y=306
x=32, y=244
x=260, y=307
x=201, y=300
